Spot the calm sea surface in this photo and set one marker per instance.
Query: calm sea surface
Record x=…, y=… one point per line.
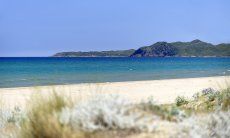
x=18, y=72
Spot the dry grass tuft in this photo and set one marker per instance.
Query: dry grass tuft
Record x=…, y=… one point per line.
x=41, y=121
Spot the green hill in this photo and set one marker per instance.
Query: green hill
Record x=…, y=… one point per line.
x=193, y=48
x=161, y=49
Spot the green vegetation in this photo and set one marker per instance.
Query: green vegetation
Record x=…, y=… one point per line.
x=118, y=53
x=165, y=112
x=193, y=48
x=207, y=101
x=102, y=116
x=161, y=49
x=181, y=100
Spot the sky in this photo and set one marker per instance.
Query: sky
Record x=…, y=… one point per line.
x=45, y=27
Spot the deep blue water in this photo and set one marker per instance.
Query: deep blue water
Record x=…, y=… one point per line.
x=18, y=72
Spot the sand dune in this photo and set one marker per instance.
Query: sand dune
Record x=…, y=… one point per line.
x=163, y=91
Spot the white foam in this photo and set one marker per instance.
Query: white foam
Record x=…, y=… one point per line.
x=23, y=79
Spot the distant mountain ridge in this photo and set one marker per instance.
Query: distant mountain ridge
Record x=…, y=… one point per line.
x=196, y=48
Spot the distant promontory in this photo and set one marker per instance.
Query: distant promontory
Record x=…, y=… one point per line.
x=195, y=48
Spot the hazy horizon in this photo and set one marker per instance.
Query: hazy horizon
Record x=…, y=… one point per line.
x=43, y=28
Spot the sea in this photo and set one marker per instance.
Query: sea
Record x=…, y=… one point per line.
x=40, y=71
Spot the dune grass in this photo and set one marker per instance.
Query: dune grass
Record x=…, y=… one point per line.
x=41, y=119
x=10, y=120
x=99, y=117
x=102, y=116
x=167, y=112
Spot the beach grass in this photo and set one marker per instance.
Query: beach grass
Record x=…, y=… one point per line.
x=41, y=120
x=96, y=117
x=109, y=115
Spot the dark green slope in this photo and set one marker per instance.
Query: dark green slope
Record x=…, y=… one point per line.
x=193, y=48
x=223, y=50
x=161, y=49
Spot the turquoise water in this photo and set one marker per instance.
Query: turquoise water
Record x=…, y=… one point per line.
x=18, y=72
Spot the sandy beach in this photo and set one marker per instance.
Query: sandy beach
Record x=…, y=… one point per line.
x=163, y=91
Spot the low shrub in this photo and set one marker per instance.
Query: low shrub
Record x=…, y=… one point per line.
x=208, y=91
x=223, y=99
x=207, y=101
x=181, y=100
x=105, y=112
x=196, y=96
x=165, y=112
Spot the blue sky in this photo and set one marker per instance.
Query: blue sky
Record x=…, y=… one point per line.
x=44, y=27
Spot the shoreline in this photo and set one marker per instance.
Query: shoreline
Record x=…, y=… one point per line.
x=163, y=91
x=90, y=83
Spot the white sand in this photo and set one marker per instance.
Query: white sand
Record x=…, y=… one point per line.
x=163, y=91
